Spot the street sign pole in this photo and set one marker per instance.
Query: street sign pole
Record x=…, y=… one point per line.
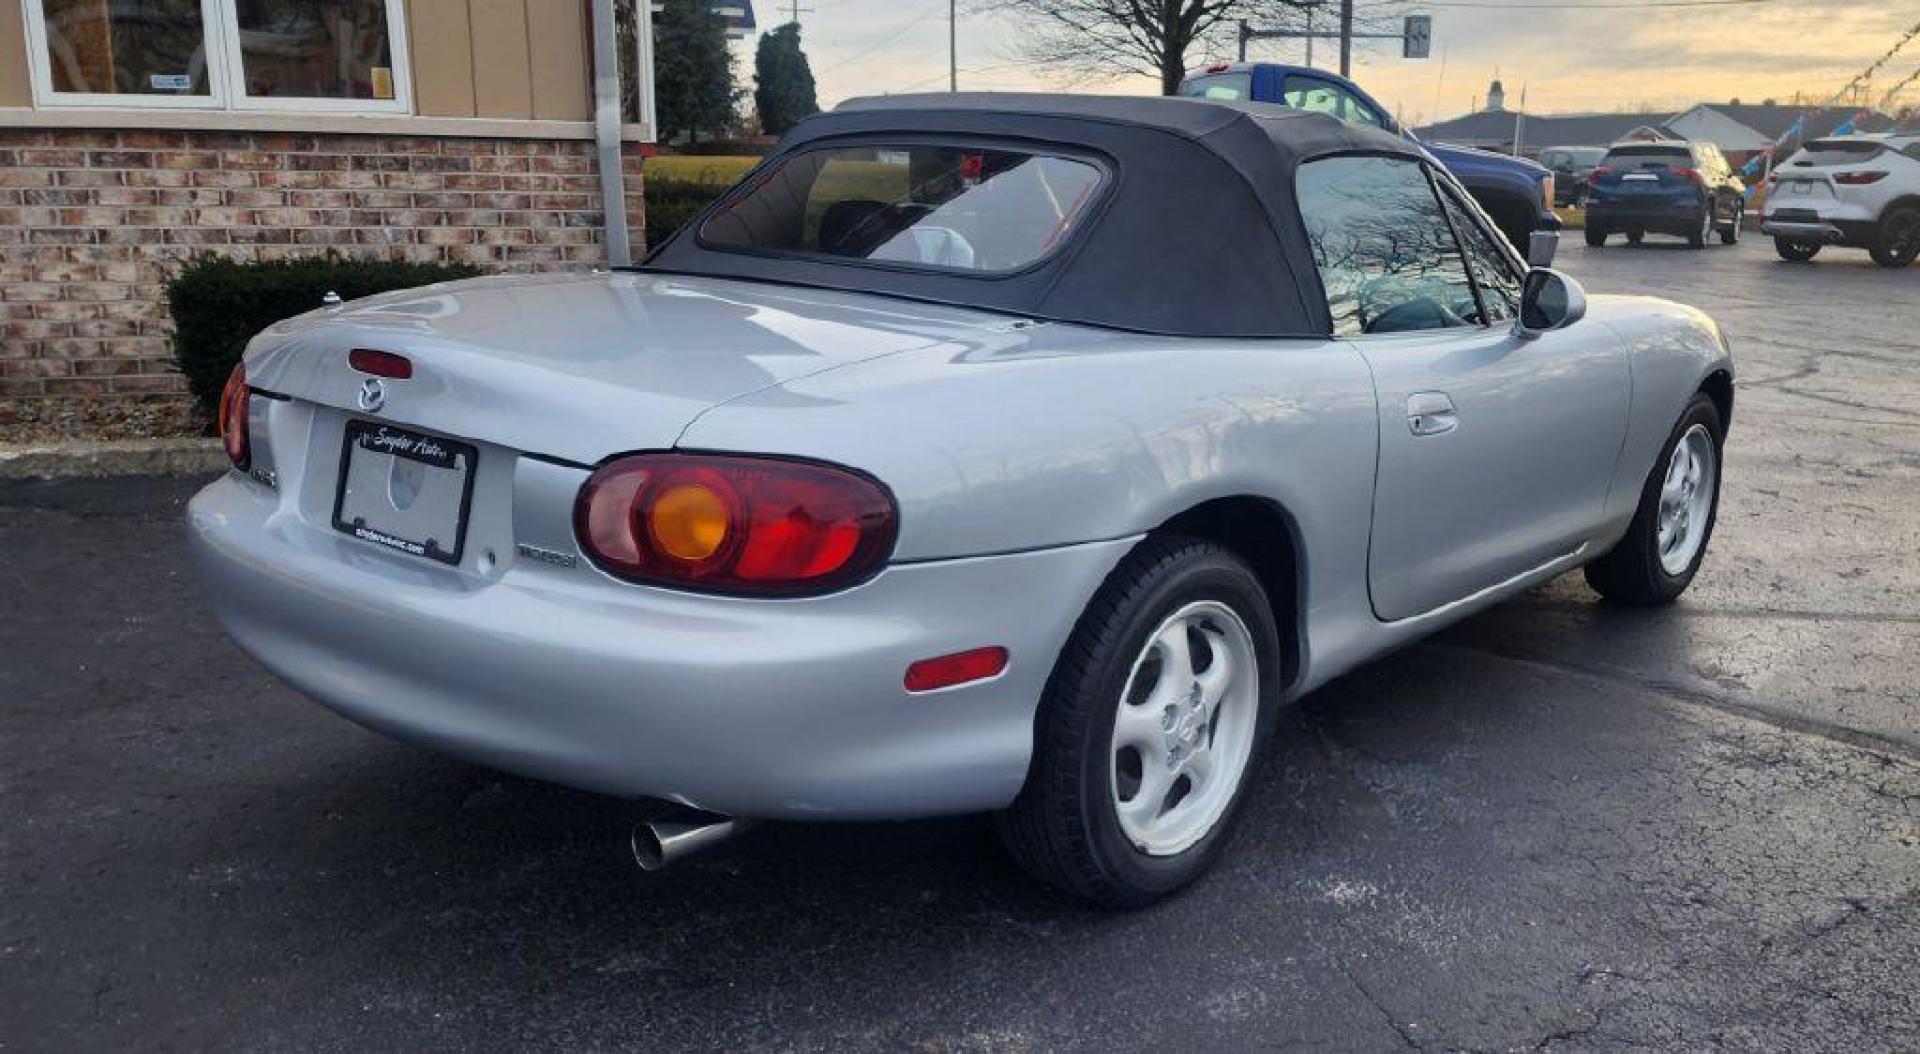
x=1346, y=38
x=1415, y=37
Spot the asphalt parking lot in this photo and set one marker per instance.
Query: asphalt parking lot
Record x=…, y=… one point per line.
x=1556, y=826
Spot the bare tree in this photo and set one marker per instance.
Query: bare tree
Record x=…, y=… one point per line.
x=1095, y=39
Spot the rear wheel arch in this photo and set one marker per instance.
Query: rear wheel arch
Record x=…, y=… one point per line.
x=1904, y=201
x=1719, y=388
x=1264, y=534
x=1514, y=213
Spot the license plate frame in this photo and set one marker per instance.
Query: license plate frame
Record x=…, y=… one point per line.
x=435, y=453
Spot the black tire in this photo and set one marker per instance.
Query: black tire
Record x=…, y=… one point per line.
x=1063, y=828
x=1898, y=241
x=1630, y=573
x=1697, y=236
x=1634, y=235
x=1794, y=251
x=1730, y=231
x=1596, y=236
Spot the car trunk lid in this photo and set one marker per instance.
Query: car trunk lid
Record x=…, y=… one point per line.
x=577, y=367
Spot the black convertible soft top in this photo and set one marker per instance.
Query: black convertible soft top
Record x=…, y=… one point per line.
x=1197, y=234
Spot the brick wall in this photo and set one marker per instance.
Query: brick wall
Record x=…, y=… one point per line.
x=92, y=224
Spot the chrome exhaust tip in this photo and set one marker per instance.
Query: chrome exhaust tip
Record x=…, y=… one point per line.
x=658, y=843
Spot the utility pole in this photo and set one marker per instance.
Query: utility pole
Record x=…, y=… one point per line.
x=795, y=11
x=953, y=45
x=1346, y=38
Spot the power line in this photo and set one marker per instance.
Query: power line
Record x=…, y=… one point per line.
x=890, y=38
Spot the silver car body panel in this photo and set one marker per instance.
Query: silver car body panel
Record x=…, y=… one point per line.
x=1027, y=459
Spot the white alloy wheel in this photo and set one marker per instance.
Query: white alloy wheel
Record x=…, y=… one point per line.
x=1185, y=728
x=1686, y=500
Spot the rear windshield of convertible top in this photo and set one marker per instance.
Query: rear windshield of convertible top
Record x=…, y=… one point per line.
x=948, y=207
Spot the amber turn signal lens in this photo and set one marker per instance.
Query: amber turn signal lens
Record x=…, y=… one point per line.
x=735, y=523
x=689, y=522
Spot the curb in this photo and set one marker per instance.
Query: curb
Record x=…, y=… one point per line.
x=95, y=460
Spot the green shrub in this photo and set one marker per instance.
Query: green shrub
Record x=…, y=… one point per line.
x=672, y=202
x=218, y=304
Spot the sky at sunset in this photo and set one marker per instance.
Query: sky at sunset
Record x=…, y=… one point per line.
x=1567, y=60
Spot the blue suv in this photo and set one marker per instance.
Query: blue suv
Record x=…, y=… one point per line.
x=1516, y=193
x=1666, y=186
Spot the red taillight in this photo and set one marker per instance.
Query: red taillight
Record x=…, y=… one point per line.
x=232, y=418
x=1691, y=175
x=929, y=675
x=380, y=363
x=1858, y=179
x=1219, y=67
x=734, y=524
x=1599, y=171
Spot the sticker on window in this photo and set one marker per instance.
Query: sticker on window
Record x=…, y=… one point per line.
x=170, y=81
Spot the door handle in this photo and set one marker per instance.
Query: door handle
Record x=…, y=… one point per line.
x=1431, y=414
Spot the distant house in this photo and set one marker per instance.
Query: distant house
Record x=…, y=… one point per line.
x=1493, y=130
x=1748, y=129
x=1739, y=130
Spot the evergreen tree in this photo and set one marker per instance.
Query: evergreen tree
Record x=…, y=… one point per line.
x=783, y=81
x=693, y=70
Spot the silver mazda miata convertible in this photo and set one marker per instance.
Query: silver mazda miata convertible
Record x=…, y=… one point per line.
x=1011, y=453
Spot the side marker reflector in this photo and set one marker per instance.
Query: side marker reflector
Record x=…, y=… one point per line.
x=948, y=671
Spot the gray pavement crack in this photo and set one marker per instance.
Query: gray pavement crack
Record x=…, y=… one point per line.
x=1780, y=614
x=1374, y=1001
x=1786, y=721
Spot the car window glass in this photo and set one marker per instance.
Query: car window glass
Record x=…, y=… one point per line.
x=1227, y=86
x=945, y=206
x=1493, y=269
x=1385, y=253
x=1318, y=96
x=1912, y=150
x=1629, y=156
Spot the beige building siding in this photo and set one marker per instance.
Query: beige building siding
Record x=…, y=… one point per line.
x=15, y=88
x=512, y=59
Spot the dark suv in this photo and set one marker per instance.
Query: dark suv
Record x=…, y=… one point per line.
x=1667, y=187
x=1571, y=166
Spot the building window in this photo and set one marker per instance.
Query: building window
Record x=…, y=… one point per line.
x=234, y=54
x=157, y=47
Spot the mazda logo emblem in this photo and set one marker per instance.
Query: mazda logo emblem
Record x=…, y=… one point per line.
x=373, y=394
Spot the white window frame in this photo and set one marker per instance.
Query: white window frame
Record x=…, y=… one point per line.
x=226, y=80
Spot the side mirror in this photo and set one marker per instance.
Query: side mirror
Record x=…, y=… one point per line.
x=1549, y=300
x=1541, y=247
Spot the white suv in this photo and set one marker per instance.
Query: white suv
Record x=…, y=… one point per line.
x=1857, y=190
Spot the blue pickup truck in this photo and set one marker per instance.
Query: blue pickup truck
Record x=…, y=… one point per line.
x=1517, y=194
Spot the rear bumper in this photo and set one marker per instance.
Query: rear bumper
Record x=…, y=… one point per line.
x=1678, y=214
x=1802, y=231
x=766, y=708
x=1828, y=230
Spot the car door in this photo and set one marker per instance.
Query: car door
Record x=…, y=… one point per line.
x=1495, y=450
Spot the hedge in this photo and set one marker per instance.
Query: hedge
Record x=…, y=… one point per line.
x=672, y=202
x=218, y=304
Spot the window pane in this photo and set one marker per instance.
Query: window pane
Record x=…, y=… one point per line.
x=1493, y=269
x=1383, y=247
x=1219, y=86
x=126, y=47
x=941, y=206
x=1318, y=96
x=315, y=49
